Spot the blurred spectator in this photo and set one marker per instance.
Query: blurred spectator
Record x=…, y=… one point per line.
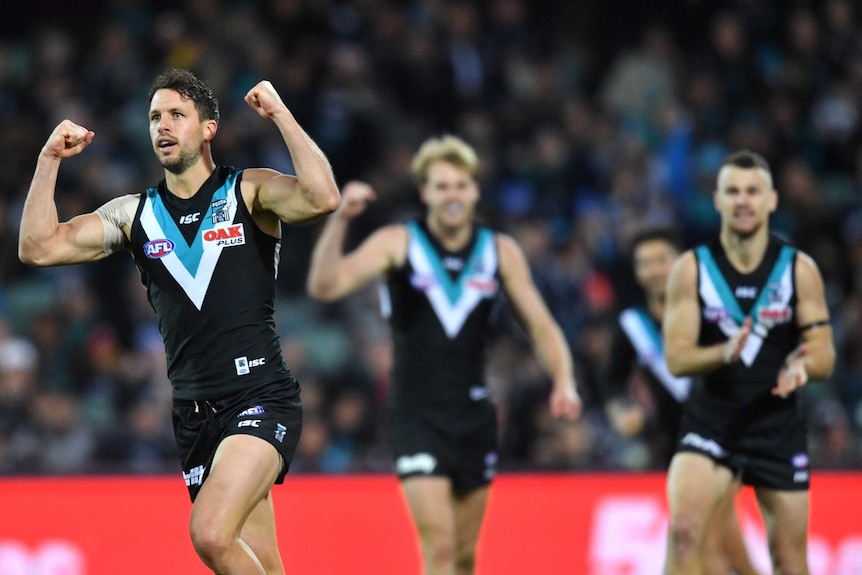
x=18, y=361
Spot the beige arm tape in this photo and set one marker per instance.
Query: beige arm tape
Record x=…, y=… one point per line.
x=117, y=215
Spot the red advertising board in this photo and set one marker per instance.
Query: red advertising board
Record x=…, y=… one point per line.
x=591, y=524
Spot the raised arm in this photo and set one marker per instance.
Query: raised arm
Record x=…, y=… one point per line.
x=333, y=274
x=546, y=336
x=43, y=240
x=681, y=326
x=313, y=192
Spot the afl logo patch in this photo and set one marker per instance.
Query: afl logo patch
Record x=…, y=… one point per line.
x=155, y=249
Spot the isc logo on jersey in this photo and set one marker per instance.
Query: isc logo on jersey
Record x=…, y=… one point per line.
x=155, y=249
x=225, y=236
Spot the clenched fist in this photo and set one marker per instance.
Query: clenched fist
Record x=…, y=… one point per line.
x=68, y=139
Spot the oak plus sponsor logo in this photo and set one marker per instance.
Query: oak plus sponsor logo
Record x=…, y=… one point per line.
x=487, y=287
x=774, y=315
x=155, y=249
x=224, y=237
x=49, y=557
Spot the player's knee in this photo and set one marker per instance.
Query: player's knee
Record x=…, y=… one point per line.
x=441, y=552
x=210, y=542
x=684, y=537
x=438, y=546
x=788, y=558
x=789, y=568
x=465, y=558
x=465, y=562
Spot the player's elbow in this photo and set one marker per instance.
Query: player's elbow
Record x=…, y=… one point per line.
x=326, y=200
x=32, y=253
x=676, y=370
x=332, y=200
x=321, y=290
x=826, y=364
x=674, y=363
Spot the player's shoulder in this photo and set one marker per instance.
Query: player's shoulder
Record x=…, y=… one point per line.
x=687, y=259
x=122, y=207
x=505, y=242
x=391, y=241
x=253, y=178
x=509, y=251
x=805, y=264
x=392, y=232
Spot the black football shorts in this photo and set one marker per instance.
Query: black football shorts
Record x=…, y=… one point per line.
x=266, y=412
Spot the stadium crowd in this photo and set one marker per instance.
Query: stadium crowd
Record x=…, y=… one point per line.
x=592, y=120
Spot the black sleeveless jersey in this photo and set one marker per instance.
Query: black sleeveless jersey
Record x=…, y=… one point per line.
x=210, y=276
x=737, y=399
x=637, y=339
x=440, y=307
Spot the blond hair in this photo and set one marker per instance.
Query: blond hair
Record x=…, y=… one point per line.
x=447, y=148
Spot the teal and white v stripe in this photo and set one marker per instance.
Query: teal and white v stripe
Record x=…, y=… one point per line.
x=453, y=300
x=192, y=266
x=646, y=339
x=716, y=293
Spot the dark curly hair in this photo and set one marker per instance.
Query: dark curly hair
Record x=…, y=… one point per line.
x=190, y=87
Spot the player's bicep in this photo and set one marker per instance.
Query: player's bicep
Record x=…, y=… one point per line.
x=811, y=305
x=79, y=240
x=681, y=322
x=285, y=196
x=812, y=316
